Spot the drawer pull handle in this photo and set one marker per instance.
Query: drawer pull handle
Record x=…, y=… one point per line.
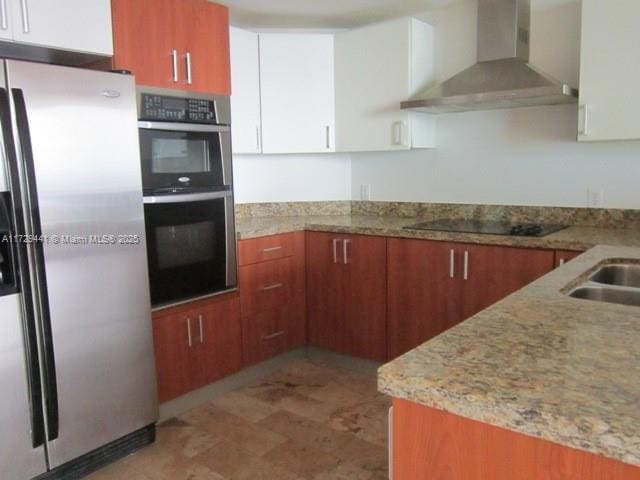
x=273, y=335
x=201, y=329
x=271, y=249
x=272, y=287
x=189, y=334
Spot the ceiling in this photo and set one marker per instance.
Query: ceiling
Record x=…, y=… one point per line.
x=333, y=14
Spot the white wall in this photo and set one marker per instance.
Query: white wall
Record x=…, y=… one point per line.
x=292, y=178
x=523, y=156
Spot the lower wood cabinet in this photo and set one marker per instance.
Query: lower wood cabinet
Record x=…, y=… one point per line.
x=432, y=286
x=197, y=344
x=346, y=293
x=433, y=444
x=272, y=292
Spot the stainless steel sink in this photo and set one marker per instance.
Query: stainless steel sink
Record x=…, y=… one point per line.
x=619, y=275
x=607, y=294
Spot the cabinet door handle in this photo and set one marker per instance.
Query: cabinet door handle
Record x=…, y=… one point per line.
x=390, y=443
x=561, y=262
x=466, y=265
x=273, y=335
x=4, y=24
x=398, y=133
x=584, y=130
x=345, y=250
x=174, y=63
x=335, y=250
x=201, y=329
x=257, y=139
x=24, y=7
x=273, y=286
x=189, y=74
x=271, y=249
x=189, y=335
x=452, y=263
x=328, y=136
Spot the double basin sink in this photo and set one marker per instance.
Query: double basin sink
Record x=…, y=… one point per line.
x=612, y=283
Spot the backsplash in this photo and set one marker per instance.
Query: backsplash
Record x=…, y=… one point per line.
x=581, y=217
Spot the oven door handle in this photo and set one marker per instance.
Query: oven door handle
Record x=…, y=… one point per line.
x=184, y=127
x=187, y=197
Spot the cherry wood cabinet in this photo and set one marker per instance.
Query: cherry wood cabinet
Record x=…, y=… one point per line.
x=346, y=299
x=564, y=256
x=177, y=44
x=491, y=273
x=432, y=444
x=433, y=286
x=196, y=344
x=423, y=297
x=272, y=292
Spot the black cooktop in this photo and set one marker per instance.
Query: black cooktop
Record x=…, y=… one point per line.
x=488, y=227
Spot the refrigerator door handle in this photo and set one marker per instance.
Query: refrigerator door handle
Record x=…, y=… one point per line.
x=38, y=267
x=34, y=377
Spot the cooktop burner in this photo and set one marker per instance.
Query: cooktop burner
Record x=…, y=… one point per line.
x=488, y=227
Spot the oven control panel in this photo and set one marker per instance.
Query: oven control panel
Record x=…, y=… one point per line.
x=176, y=109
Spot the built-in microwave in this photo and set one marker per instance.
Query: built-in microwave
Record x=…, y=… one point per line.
x=185, y=150
x=185, y=141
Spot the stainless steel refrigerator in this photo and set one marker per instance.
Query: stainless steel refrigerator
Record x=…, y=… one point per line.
x=77, y=375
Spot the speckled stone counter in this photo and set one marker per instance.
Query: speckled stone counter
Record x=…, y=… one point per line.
x=539, y=363
x=572, y=238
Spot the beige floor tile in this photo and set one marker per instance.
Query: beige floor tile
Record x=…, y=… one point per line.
x=244, y=406
x=367, y=420
x=261, y=469
x=225, y=426
x=226, y=459
x=305, y=431
x=301, y=459
x=337, y=395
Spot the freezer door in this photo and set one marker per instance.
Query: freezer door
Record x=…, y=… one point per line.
x=18, y=458
x=78, y=143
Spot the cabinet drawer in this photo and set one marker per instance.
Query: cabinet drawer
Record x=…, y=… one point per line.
x=266, y=285
x=266, y=248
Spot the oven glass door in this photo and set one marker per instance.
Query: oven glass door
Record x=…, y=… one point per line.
x=183, y=157
x=187, y=248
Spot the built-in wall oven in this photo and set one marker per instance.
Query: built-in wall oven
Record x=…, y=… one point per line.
x=185, y=149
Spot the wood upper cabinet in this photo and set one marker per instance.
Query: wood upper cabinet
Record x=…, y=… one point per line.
x=346, y=293
x=177, y=44
x=78, y=25
x=424, y=297
x=297, y=93
x=491, y=273
x=196, y=344
x=609, y=71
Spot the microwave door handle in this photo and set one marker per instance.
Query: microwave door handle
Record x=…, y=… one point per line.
x=183, y=127
x=187, y=197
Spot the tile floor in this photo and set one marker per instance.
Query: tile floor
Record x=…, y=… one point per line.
x=311, y=420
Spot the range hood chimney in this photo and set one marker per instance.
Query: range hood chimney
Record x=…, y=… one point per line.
x=502, y=78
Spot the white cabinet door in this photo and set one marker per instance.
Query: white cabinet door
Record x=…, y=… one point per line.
x=377, y=67
x=80, y=25
x=609, y=71
x=6, y=25
x=245, y=92
x=297, y=93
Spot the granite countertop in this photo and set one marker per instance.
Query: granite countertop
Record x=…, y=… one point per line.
x=538, y=363
x=572, y=238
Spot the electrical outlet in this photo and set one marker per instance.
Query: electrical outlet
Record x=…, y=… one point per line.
x=365, y=192
x=595, y=197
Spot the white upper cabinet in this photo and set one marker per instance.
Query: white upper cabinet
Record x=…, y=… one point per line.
x=377, y=67
x=76, y=25
x=245, y=92
x=609, y=71
x=297, y=93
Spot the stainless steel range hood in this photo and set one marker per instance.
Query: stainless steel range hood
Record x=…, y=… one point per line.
x=502, y=78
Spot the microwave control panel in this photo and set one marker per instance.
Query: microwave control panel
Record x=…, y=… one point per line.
x=175, y=109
